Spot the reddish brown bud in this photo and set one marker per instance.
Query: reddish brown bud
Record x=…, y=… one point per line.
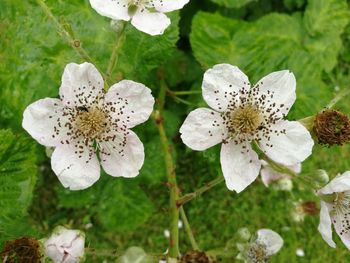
x=310, y=208
x=195, y=256
x=24, y=249
x=332, y=127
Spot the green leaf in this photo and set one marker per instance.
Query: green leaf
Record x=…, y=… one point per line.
x=233, y=3
x=135, y=255
x=273, y=42
x=17, y=180
x=123, y=206
x=326, y=16
x=142, y=53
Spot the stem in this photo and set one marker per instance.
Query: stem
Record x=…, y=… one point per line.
x=185, y=92
x=188, y=197
x=67, y=34
x=170, y=170
x=337, y=98
x=188, y=229
x=120, y=36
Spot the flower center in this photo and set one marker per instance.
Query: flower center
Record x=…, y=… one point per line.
x=245, y=120
x=91, y=122
x=258, y=253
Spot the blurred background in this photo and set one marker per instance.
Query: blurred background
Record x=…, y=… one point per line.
x=309, y=37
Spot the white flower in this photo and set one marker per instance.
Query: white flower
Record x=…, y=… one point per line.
x=269, y=175
x=65, y=246
x=146, y=15
x=241, y=115
x=266, y=244
x=336, y=209
x=85, y=121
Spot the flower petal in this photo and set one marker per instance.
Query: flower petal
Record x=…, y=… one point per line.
x=152, y=23
x=76, y=169
x=271, y=239
x=279, y=90
x=123, y=156
x=113, y=9
x=341, y=227
x=222, y=86
x=240, y=165
x=81, y=84
x=202, y=129
x=168, y=5
x=340, y=183
x=133, y=102
x=325, y=226
x=40, y=118
x=286, y=142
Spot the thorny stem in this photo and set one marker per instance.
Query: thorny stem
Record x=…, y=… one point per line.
x=67, y=34
x=120, y=39
x=188, y=197
x=188, y=229
x=170, y=170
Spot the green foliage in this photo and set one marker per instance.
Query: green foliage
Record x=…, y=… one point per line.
x=233, y=3
x=275, y=42
x=17, y=180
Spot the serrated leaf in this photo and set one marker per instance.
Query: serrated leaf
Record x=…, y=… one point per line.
x=123, y=206
x=326, y=16
x=17, y=180
x=233, y=3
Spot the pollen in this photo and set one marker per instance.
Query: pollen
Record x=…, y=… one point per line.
x=245, y=120
x=91, y=123
x=258, y=253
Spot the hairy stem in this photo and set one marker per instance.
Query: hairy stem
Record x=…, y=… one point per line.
x=170, y=170
x=188, y=229
x=338, y=97
x=188, y=197
x=67, y=34
x=120, y=39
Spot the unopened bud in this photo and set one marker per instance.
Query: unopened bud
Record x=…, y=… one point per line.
x=331, y=127
x=284, y=184
x=321, y=177
x=243, y=234
x=117, y=25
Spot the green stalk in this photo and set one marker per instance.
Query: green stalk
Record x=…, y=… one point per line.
x=188, y=229
x=188, y=197
x=170, y=170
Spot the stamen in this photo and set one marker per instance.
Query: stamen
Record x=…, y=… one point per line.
x=258, y=253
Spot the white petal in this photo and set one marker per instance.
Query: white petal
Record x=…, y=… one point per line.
x=73, y=172
x=269, y=175
x=325, y=226
x=168, y=5
x=152, y=23
x=123, y=156
x=39, y=119
x=113, y=9
x=288, y=148
x=271, y=239
x=202, y=129
x=240, y=165
x=343, y=232
x=222, y=85
x=279, y=89
x=340, y=183
x=81, y=84
x=133, y=102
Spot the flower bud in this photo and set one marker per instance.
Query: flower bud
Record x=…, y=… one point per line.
x=117, y=25
x=243, y=234
x=331, y=127
x=195, y=256
x=24, y=249
x=321, y=177
x=65, y=245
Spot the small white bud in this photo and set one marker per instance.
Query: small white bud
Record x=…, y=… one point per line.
x=65, y=245
x=285, y=184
